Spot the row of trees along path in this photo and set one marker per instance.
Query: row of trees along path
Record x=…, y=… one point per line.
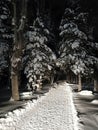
x=38, y=56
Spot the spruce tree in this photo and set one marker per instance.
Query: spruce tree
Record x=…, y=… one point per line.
x=39, y=58
x=75, y=49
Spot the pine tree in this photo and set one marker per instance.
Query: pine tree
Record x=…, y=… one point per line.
x=76, y=51
x=39, y=58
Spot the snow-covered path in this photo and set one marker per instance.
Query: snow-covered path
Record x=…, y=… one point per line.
x=55, y=111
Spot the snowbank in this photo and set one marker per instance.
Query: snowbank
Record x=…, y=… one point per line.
x=85, y=93
x=95, y=102
x=12, y=118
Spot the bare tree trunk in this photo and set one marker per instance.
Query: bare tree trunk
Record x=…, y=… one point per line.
x=17, y=49
x=96, y=85
x=14, y=73
x=79, y=82
x=52, y=79
x=96, y=78
x=15, y=92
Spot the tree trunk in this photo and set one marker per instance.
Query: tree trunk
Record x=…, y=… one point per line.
x=79, y=83
x=96, y=78
x=14, y=75
x=17, y=48
x=15, y=86
x=52, y=79
x=96, y=85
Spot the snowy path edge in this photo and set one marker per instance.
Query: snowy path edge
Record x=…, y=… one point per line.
x=13, y=118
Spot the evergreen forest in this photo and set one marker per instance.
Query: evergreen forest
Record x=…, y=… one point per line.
x=44, y=41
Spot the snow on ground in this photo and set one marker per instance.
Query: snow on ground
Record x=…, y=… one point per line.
x=54, y=111
x=87, y=108
x=86, y=92
x=94, y=102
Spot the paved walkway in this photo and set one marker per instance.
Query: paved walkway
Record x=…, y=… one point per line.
x=54, y=111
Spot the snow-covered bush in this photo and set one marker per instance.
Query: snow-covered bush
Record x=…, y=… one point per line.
x=76, y=52
x=39, y=58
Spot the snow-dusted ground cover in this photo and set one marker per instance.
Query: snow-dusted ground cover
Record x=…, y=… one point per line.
x=54, y=111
